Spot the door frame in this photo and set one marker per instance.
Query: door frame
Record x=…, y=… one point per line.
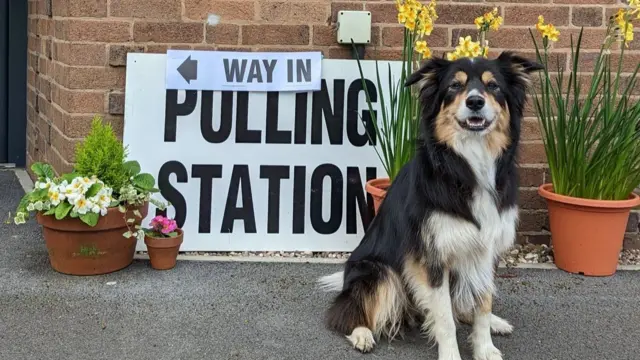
x=13, y=81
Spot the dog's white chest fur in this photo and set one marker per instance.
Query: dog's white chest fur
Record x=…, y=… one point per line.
x=468, y=251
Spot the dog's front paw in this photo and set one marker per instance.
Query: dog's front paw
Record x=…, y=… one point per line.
x=487, y=352
x=362, y=339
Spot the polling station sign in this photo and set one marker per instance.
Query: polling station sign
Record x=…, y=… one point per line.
x=258, y=171
x=243, y=71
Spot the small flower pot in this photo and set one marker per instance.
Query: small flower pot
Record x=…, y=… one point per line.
x=586, y=234
x=378, y=190
x=163, y=252
x=76, y=248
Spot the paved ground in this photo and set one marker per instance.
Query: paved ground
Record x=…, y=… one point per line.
x=203, y=310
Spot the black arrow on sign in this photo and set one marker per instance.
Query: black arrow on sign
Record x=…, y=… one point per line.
x=189, y=69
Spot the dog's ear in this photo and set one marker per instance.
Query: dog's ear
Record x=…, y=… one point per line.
x=517, y=68
x=428, y=72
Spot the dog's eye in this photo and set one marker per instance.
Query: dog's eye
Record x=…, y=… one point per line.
x=492, y=86
x=455, y=86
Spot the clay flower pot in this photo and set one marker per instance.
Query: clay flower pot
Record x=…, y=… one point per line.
x=75, y=248
x=378, y=190
x=163, y=251
x=586, y=234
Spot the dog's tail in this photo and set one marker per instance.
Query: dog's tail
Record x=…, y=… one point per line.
x=333, y=282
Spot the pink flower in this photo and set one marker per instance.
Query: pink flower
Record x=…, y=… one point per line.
x=163, y=225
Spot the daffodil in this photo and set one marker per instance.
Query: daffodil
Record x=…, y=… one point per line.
x=624, y=26
x=490, y=20
x=547, y=30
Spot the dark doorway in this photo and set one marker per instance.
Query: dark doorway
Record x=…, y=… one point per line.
x=13, y=82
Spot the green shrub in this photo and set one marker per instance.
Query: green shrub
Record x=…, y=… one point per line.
x=103, y=155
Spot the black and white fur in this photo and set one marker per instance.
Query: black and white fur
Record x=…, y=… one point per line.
x=431, y=250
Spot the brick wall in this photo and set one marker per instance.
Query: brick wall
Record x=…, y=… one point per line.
x=77, y=57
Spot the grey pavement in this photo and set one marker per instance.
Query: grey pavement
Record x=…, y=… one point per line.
x=207, y=310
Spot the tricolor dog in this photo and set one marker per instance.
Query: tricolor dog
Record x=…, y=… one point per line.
x=429, y=253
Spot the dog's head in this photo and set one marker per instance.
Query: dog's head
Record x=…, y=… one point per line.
x=474, y=97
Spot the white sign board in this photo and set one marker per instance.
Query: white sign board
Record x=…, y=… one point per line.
x=243, y=71
x=258, y=171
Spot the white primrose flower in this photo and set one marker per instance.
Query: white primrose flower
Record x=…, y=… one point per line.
x=43, y=184
x=81, y=205
x=55, y=195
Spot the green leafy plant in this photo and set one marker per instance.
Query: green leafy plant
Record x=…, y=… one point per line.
x=101, y=179
x=592, y=140
x=69, y=195
x=103, y=155
x=399, y=109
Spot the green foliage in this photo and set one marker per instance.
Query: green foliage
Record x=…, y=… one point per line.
x=397, y=122
x=103, y=155
x=592, y=141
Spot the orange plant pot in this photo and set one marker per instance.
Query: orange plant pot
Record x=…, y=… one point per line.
x=587, y=234
x=378, y=190
x=163, y=252
x=76, y=248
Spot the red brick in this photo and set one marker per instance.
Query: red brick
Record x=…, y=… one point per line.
x=116, y=103
x=79, y=8
x=118, y=53
x=325, y=35
x=338, y=52
x=530, y=200
x=168, y=32
x=459, y=14
x=528, y=15
x=587, y=16
x=65, y=146
x=533, y=221
x=93, y=30
x=73, y=77
x=275, y=34
x=295, y=12
x=394, y=36
x=528, y=1
x=591, y=39
x=629, y=62
x=226, y=34
x=531, y=177
x=383, y=54
x=79, y=54
x=227, y=10
x=78, y=126
x=531, y=130
x=347, y=6
x=146, y=9
x=585, y=2
x=382, y=12
x=81, y=101
x=532, y=153
x=156, y=48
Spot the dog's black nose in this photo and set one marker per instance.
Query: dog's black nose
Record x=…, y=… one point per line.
x=475, y=102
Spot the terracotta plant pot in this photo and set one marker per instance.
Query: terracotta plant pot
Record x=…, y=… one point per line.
x=586, y=234
x=78, y=249
x=378, y=190
x=163, y=252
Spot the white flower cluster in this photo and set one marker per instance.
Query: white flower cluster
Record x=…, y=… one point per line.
x=75, y=193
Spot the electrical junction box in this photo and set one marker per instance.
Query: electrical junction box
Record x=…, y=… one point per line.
x=354, y=25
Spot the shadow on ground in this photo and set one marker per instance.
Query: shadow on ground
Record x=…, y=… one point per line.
x=204, y=310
